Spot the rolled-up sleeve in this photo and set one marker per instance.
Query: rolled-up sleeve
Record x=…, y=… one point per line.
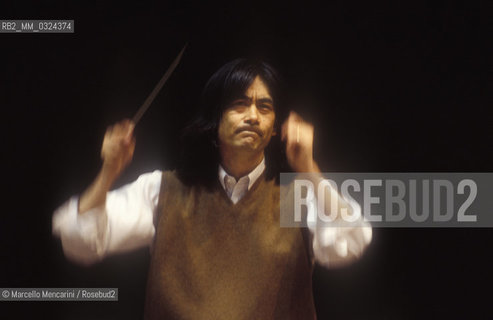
x=123, y=224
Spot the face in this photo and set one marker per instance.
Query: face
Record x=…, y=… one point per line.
x=248, y=122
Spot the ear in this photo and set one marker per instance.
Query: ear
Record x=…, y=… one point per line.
x=274, y=133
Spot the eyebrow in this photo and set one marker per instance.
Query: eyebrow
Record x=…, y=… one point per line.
x=261, y=100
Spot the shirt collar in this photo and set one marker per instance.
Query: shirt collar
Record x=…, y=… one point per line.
x=253, y=175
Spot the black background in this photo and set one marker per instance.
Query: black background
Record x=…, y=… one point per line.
x=389, y=86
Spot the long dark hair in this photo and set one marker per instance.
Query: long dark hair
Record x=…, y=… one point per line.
x=199, y=158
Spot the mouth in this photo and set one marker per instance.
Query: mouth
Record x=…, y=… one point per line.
x=250, y=131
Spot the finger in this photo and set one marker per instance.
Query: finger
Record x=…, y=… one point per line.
x=132, y=147
x=295, y=116
x=293, y=129
x=287, y=128
x=130, y=131
x=121, y=127
x=297, y=133
x=130, y=152
x=129, y=138
x=131, y=125
x=127, y=124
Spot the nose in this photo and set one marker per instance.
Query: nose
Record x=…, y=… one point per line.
x=251, y=116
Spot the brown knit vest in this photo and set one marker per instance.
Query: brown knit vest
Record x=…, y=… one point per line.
x=213, y=259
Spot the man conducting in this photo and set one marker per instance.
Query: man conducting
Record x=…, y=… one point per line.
x=213, y=224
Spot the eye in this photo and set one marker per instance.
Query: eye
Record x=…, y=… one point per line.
x=239, y=103
x=265, y=107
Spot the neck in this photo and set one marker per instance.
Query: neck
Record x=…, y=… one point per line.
x=239, y=164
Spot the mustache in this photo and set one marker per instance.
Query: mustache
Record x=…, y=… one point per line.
x=250, y=128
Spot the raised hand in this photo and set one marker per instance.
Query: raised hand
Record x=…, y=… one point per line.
x=118, y=147
x=298, y=135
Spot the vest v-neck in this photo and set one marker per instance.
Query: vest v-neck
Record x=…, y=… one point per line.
x=238, y=190
x=246, y=196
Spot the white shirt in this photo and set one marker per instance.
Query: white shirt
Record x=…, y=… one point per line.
x=126, y=222
x=237, y=189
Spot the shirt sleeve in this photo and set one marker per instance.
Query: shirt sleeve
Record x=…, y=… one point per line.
x=123, y=224
x=338, y=246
